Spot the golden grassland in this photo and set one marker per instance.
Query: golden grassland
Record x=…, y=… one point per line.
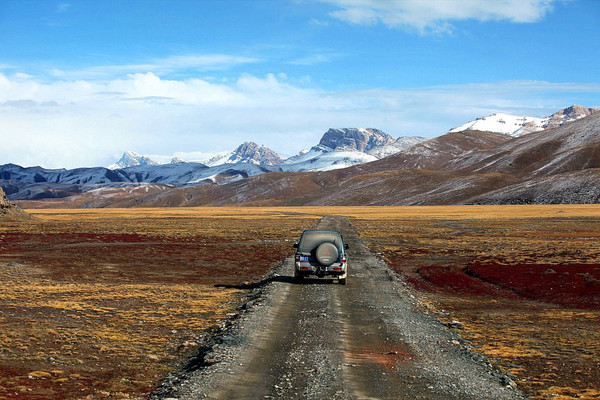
x=103, y=302
x=539, y=319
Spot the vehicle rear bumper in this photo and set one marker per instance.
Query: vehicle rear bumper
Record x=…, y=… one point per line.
x=336, y=269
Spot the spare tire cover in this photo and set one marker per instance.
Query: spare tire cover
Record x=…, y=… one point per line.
x=326, y=254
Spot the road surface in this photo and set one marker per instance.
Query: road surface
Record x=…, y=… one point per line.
x=369, y=339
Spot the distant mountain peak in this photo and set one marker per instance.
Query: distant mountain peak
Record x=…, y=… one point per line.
x=132, y=159
x=569, y=114
x=344, y=147
x=355, y=139
x=251, y=153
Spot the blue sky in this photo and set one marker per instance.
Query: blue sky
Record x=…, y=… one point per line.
x=82, y=81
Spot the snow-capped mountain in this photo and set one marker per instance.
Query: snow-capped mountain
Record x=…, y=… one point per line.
x=249, y=152
x=516, y=126
x=321, y=158
x=513, y=125
x=187, y=173
x=341, y=148
x=355, y=139
x=338, y=148
x=131, y=159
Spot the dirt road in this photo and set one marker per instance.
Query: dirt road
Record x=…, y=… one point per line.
x=369, y=339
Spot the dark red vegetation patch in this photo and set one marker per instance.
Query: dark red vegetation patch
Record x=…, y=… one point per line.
x=570, y=285
x=454, y=279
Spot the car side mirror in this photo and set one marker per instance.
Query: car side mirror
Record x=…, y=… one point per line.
x=295, y=245
x=346, y=246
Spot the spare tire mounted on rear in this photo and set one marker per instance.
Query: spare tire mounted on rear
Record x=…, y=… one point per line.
x=326, y=254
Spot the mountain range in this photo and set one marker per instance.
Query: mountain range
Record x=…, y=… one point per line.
x=558, y=161
x=338, y=148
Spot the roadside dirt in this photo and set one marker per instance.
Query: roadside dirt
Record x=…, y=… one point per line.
x=370, y=339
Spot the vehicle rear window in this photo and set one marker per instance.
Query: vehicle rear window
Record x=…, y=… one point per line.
x=312, y=239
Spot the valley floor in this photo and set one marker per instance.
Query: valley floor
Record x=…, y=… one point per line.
x=106, y=303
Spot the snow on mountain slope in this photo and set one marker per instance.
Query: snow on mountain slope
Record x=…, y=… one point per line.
x=516, y=126
x=401, y=144
x=569, y=114
x=513, y=125
x=192, y=173
x=341, y=148
x=249, y=152
x=325, y=159
x=178, y=173
x=350, y=146
x=570, y=147
x=170, y=174
x=131, y=159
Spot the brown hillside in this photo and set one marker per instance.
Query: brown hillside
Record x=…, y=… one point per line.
x=579, y=187
x=569, y=148
x=439, y=152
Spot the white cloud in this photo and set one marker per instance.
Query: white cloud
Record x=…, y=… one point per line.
x=196, y=63
x=435, y=16
x=90, y=123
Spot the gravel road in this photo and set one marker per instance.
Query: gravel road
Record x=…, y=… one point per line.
x=369, y=339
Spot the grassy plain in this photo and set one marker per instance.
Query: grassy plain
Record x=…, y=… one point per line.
x=523, y=281
x=102, y=303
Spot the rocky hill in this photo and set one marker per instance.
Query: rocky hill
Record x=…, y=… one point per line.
x=9, y=211
x=358, y=139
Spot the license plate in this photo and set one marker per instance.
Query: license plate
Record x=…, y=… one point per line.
x=304, y=258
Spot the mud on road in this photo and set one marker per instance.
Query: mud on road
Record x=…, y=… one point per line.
x=369, y=339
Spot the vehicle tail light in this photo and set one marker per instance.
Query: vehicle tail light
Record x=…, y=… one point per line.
x=297, y=257
x=343, y=260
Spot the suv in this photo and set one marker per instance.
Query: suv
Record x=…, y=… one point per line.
x=320, y=253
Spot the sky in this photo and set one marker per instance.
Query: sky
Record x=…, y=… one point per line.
x=83, y=81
